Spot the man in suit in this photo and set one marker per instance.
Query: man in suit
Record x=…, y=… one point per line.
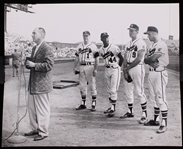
x=40, y=85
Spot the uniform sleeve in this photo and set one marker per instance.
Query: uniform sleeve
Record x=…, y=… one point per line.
x=77, y=51
x=162, y=49
x=117, y=50
x=141, y=46
x=96, y=53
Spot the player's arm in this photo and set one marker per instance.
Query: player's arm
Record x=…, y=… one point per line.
x=140, y=55
x=96, y=55
x=124, y=61
x=152, y=59
x=118, y=54
x=76, y=61
x=120, y=59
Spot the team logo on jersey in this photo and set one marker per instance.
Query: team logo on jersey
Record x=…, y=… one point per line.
x=151, y=51
x=107, y=54
x=132, y=48
x=85, y=50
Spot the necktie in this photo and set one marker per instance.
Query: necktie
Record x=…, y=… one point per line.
x=35, y=51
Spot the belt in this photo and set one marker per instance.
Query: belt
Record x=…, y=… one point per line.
x=130, y=63
x=88, y=63
x=108, y=66
x=154, y=69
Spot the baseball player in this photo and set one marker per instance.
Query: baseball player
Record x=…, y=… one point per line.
x=134, y=65
x=157, y=58
x=113, y=61
x=87, y=69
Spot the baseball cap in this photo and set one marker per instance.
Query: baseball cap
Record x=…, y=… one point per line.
x=86, y=33
x=133, y=27
x=104, y=35
x=151, y=29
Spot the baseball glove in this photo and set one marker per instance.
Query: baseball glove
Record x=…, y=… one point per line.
x=127, y=76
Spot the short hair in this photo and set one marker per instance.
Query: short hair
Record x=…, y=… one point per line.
x=42, y=30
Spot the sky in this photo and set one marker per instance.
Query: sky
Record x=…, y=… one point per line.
x=66, y=22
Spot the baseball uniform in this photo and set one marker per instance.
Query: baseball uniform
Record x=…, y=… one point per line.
x=112, y=70
x=158, y=79
x=85, y=53
x=137, y=73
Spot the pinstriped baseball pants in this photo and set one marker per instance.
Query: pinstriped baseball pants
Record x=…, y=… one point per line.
x=157, y=86
x=136, y=87
x=113, y=77
x=86, y=75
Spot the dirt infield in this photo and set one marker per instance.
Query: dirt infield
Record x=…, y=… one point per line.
x=69, y=127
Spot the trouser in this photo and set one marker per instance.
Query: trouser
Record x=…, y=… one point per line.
x=113, y=76
x=157, y=86
x=39, y=113
x=136, y=87
x=86, y=78
x=15, y=70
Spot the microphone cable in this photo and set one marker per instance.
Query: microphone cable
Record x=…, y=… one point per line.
x=17, y=123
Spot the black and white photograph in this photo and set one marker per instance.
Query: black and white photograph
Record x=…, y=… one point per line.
x=91, y=75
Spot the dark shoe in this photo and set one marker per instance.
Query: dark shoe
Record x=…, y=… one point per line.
x=39, y=137
x=143, y=120
x=31, y=133
x=81, y=107
x=127, y=115
x=111, y=113
x=93, y=108
x=162, y=129
x=107, y=111
x=152, y=123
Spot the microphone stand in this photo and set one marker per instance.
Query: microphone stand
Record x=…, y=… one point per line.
x=16, y=139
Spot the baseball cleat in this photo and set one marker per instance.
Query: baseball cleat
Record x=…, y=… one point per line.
x=151, y=123
x=127, y=115
x=111, y=113
x=93, y=108
x=107, y=111
x=81, y=107
x=143, y=120
x=162, y=129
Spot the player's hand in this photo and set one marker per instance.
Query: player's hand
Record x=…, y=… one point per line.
x=126, y=69
x=94, y=73
x=154, y=65
x=30, y=64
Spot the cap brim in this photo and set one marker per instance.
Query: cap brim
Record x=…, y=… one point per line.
x=86, y=34
x=105, y=36
x=146, y=32
x=132, y=29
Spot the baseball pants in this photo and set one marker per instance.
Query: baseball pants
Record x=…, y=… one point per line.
x=86, y=75
x=113, y=76
x=39, y=113
x=157, y=85
x=136, y=87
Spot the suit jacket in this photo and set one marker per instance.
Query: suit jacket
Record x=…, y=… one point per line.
x=40, y=80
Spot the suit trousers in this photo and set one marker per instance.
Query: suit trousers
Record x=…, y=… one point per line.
x=39, y=113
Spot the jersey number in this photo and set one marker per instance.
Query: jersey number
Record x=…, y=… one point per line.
x=112, y=60
x=134, y=54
